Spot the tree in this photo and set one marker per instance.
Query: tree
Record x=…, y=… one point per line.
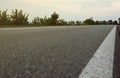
x=97, y=22
x=62, y=22
x=89, y=21
x=18, y=17
x=78, y=22
x=115, y=22
x=36, y=21
x=110, y=22
x=101, y=22
x=119, y=20
x=104, y=22
x=41, y=21
x=54, y=18
x=46, y=21
x=4, y=17
x=71, y=22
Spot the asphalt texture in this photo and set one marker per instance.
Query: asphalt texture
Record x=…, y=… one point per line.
x=56, y=52
x=116, y=65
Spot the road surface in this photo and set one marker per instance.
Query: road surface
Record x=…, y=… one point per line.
x=50, y=52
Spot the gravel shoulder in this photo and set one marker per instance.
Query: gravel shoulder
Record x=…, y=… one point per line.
x=116, y=69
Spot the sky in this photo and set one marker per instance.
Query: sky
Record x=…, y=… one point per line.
x=67, y=9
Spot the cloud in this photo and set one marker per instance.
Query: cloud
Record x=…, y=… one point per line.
x=67, y=9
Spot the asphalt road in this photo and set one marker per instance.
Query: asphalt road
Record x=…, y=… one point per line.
x=51, y=52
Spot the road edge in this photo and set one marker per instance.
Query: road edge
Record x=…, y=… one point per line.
x=116, y=65
x=101, y=64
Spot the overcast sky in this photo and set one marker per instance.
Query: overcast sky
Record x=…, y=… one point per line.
x=67, y=9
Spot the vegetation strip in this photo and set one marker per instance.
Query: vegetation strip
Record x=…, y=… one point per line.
x=18, y=17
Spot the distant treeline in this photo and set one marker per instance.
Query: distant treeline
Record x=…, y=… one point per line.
x=18, y=17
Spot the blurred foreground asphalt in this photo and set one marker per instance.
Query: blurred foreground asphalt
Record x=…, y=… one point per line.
x=50, y=52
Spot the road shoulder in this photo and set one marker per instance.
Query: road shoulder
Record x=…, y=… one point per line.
x=101, y=64
x=116, y=67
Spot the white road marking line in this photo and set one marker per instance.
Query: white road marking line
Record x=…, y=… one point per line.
x=101, y=64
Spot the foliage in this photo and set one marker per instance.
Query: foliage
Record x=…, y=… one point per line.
x=18, y=17
x=115, y=22
x=71, y=22
x=4, y=17
x=78, y=22
x=36, y=21
x=54, y=18
x=89, y=21
x=41, y=21
x=62, y=22
x=119, y=20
